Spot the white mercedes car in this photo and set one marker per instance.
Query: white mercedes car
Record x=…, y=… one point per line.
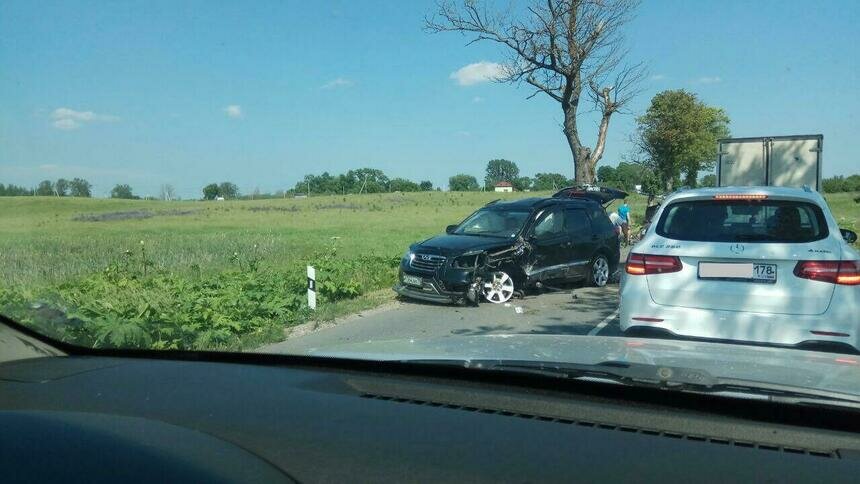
x=757, y=264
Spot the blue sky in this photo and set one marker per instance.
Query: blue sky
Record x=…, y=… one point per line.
x=261, y=93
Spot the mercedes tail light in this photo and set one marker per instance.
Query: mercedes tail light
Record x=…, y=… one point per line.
x=846, y=272
x=644, y=264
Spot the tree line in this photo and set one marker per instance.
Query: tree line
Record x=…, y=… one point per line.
x=362, y=180
x=837, y=184
x=76, y=187
x=79, y=187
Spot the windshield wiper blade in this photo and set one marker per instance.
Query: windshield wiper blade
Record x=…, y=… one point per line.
x=683, y=379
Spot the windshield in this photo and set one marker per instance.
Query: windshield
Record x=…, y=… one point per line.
x=768, y=221
x=494, y=223
x=534, y=180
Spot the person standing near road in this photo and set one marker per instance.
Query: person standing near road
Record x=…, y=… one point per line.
x=624, y=215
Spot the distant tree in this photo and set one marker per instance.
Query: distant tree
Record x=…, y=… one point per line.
x=45, y=188
x=228, y=190
x=167, y=192
x=552, y=181
x=709, y=180
x=678, y=135
x=362, y=180
x=61, y=187
x=651, y=185
x=840, y=183
x=426, y=186
x=462, y=183
x=11, y=190
x=625, y=176
x=79, y=187
x=522, y=183
x=211, y=191
x=368, y=180
x=499, y=171
x=628, y=175
x=606, y=175
x=122, y=191
x=403, y=185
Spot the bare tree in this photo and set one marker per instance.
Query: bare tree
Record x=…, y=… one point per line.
x=561, y=48
x=168, y=192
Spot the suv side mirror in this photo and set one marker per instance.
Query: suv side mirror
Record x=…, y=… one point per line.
x=450, y=229
x=850, y=236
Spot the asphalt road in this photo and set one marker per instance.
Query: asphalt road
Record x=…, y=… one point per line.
x=574, y=310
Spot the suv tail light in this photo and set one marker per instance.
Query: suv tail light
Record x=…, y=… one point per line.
x=643, y=264
x=846, y=272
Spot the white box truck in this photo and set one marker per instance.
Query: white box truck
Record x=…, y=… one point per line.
x=780, y=161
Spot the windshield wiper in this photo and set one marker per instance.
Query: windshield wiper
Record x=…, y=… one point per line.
x=683, y=379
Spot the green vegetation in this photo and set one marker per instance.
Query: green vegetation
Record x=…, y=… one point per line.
x=226, y=275
x=678, y=136
x=77, y=187
x=123, y=191
x=625, y=176
x=463, y=183
x=218, y=275
x=840, y=183
x=501, y=170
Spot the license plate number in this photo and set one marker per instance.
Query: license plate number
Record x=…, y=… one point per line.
x=412, y=280
x=746, y=271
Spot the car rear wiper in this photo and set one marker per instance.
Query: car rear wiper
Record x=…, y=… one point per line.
x=683, y=379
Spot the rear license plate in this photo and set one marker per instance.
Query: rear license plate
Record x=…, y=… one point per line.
x=744, y=271
x=412, y=280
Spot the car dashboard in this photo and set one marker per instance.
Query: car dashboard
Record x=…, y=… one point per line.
x=205, y=417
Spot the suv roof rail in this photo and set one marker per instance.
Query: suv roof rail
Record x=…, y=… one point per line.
x=807, y=189
x=584, y=199
x=494, y=201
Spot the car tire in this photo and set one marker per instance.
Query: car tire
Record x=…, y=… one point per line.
x=598, y=271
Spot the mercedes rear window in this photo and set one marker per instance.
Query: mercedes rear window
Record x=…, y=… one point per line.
x=743, y=221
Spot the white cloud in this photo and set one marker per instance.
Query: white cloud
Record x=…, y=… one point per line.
x=339, y=82
x=65, y=118
x=66, y=124
x=709, y=80
x=464, y=134
x=658, y=77
x=477, y=99
x=234, y=111
x=477, y=73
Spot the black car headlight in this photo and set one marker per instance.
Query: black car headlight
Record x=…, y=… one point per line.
x=468, y=261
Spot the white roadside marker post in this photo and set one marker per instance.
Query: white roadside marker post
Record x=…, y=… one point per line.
x=312, y=288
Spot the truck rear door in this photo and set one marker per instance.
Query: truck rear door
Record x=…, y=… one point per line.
x=794, y=162
x=741, y=163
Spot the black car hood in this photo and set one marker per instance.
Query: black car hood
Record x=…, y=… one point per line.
x=448, y=245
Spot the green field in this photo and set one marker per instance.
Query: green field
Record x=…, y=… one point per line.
x=226, y=275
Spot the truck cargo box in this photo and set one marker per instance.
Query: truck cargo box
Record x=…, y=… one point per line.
x=782, y=161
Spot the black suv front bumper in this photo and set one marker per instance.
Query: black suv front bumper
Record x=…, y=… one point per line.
x=445, y=285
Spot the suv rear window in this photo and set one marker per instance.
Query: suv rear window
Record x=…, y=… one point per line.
x=743, y=221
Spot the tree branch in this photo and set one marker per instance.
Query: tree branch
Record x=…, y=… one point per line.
x=557, y=48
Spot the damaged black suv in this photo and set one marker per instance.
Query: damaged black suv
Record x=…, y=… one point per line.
x=505, y=248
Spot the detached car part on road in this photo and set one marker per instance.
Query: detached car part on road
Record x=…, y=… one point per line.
x=506, y=247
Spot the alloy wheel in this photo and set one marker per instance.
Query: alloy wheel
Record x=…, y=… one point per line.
x=600, y=271
x=500, y=289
